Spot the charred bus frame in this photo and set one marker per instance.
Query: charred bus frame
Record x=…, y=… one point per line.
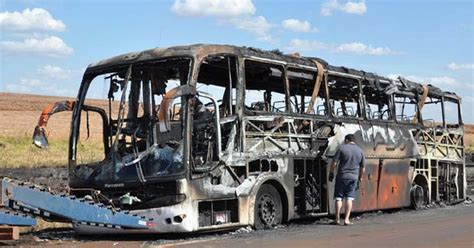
x=222, y=159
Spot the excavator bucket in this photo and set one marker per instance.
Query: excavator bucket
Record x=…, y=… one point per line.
x=39, y=138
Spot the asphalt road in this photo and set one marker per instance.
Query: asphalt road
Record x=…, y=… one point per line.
x=451, y=226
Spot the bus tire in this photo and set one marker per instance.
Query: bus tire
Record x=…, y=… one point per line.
x=417, y=196
x=268, y=210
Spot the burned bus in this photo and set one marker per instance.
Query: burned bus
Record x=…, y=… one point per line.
x=206, y=137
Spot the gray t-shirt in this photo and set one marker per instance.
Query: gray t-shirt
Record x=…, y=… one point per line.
x=350, y=158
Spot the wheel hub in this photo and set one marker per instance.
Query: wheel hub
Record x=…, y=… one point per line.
x=267, y=210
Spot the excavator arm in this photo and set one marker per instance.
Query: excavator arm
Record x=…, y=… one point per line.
x=39, y=136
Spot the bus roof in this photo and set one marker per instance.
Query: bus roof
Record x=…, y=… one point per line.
x=203, y=50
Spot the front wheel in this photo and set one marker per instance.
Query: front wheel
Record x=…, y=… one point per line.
x=268, y=210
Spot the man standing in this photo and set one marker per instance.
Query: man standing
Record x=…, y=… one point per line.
x=350, y=163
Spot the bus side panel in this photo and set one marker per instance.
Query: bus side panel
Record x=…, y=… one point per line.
x=394, y=186
x=366, y=195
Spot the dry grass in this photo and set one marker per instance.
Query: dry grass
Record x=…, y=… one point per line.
x=19, y=151
x=19, y=115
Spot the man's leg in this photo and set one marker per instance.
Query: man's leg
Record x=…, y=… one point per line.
x=349, y=198
x=338, y=197
x=338, y=209
x=348, y=208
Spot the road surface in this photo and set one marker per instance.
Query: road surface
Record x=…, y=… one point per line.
x=442, y=227
x=449, y=226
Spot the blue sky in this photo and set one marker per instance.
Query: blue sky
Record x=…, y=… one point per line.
x=46, y=45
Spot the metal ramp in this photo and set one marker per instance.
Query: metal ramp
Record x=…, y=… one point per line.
x=30, y=200
x=16, y=219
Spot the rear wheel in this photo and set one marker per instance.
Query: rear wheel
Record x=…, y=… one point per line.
x=268, y=211
x=418, y=197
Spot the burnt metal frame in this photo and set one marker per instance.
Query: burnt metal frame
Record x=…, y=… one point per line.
x=89, y=76
x=361, y=102
x=405, y=87
x=441, y=144
x=194, y=74
x=362, y=105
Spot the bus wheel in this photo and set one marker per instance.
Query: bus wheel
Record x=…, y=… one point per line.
x=417, y=195
x=268, y=207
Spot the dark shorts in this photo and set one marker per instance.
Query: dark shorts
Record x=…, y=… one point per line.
x=345, y=189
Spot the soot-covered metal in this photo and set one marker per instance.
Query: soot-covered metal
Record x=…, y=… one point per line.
x=203, y=137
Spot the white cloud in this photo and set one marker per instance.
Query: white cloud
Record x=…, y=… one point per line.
x=55, y=72
x=443, y=82
x=256, y=25
x=219, y=8
x=354, y=8
x=238, y=13
x=453, y=66
x=468, y=99
x=296, y=45
x=296, y=25
x=357, y=8
x=31, y=83
x=36, y=86
x=50, y=46
x=30, y=20
x=360, y=48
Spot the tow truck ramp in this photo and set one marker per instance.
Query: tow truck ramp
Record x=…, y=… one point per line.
x=21, y=203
